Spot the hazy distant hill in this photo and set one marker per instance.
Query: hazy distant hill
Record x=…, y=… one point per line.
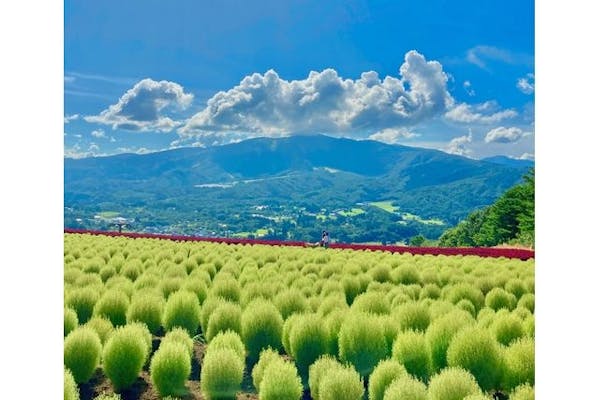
x=291, y=180
x=511, y=162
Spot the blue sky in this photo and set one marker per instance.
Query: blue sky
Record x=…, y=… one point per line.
x=144, y=76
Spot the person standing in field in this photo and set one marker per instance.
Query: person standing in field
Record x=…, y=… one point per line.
x=325, y=239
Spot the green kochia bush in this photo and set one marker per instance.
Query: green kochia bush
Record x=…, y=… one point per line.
x=267, y=356
x=498, y=298
x=342, y=383
x=527, y=301
x=70, y=387
x=412, y=351
x=180, y=336
x=317, y=371
x=291, y=301
x=124, y=356
x=453, y=384
x=466, y=291
x=362, y=342
x=476, y=350
x=384, y=373
x=113, y=305
x=229, y=340
x=519, y=364
x=406, y=388
x=182, y=309
x=280, y=382
x=227, y=316
x=170, y=368
x=147, y=308
x=507, y=328
x=229, y=289
x=82, y=350
x=208, y=307
x=262, y=327
x=82, y=301
x=70, y=320
x=308, y=341
x=371, y=302
x=222, y=374
x=412, y=315
x=440, y=333
x=523, y=392
x=102, y=326
x=516, y=287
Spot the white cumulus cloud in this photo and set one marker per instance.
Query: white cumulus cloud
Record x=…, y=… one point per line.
x=505, y=135
x=527, y=156
x=98, y=133
x=69, y=118
x=526, y=84
x=141, y=107
x=458, y=145
x=469, y=88
x=393, y=135
x=485, y=113
x=324, y=102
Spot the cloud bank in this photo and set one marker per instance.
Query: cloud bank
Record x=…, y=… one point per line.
x=141, y=107
x=526, y=84
x=458, y=145
x=324, y=102
x=505, y=135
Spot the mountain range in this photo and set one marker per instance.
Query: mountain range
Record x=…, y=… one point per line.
x=286, y=188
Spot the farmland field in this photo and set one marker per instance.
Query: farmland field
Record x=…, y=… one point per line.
x=151, y=318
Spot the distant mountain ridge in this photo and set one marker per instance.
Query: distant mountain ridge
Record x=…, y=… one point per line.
x=511, y=162
x=313, y=172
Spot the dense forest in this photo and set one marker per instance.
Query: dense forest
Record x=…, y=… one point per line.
x=511, y=219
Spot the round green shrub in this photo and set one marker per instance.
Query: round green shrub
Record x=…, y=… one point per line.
x=478, y=397
x=308, y=341
x=228, y=340
x=476, y=350
x=342, y=383
x=412, y=351
x=182, y=309
x=147, y=308
x=331, y=303
x=70, y=320
x=362, y=342
x=82, y=350
x=516, y=287
x=132, y=269
x=371, y=302
x=107, y=272
x=498, y=298
x=406, y=388
x=507, y=328
x=440, y=333
x=180, y=336
x=111, y=396
x=527, y=301
x=384, y=373
x=140, y=330
x=519, y=364
x=317, y=371
x=381, y=273
x=406, y=274
x=169, y=369
x=280, y=382
x=290, y=301
x=222, y=374
x=229, y=289
x=83, y=302
x=208, y=307
x=523, y=392
x=124, y=356
x=70, y=387
x=103, y=327
x=286, y=331
x=412, y=315
x=466, y=291
x=529, y=326
x=196, y=286
x=262, y=326
x=227, y=316
x=113, y=305
x=169, y=286
x=352, y=288
x=390, y=331
x=452, y=384
x=267, y=356
x=467, y=306
x=430, y=291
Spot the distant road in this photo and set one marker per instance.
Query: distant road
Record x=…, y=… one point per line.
x=522, y=254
